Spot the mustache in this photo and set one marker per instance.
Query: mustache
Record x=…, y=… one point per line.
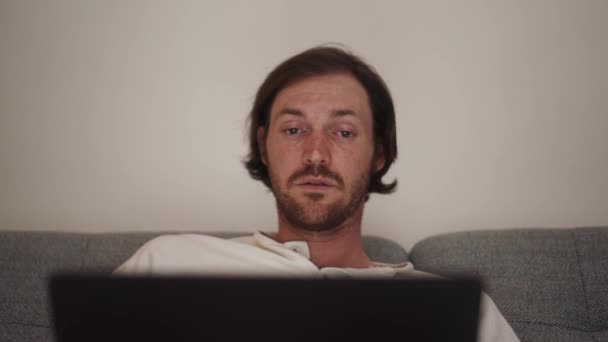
x=316, y=171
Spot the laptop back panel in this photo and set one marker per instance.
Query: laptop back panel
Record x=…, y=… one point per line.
x=102, y=308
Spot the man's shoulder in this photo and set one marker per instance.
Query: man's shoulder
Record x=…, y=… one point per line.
x=194, y=240
x=197, y=245
x=185, y=253
x=246, y=239
x=199, y=253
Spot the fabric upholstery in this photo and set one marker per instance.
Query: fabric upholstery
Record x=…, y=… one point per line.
x=27, y=259
x=550, y=284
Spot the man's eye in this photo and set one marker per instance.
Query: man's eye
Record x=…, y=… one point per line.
x=345, y=134
x=293, y=131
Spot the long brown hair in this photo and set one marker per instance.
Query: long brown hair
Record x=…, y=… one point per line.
x=317, y=61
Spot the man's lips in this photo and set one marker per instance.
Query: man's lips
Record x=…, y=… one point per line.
x=316, y=184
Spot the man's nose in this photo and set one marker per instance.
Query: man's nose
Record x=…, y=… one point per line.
x=316, y=150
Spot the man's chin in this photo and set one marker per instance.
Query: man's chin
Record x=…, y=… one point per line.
x=314, y=225
x=308, y=215
x=314, y=196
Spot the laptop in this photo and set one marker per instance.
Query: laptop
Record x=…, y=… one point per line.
x=92, y=307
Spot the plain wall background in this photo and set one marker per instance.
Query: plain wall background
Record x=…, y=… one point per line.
x=129, y=115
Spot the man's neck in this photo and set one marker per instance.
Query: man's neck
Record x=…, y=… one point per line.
x=339, y=247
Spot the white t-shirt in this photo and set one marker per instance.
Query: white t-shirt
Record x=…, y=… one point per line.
x=261, y=255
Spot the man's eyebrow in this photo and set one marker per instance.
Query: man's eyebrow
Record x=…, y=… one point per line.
x=343, y=112
x=290, y=111
x=334, y=113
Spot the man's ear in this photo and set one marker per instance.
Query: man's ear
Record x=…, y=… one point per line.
x=261, y=136
x=379, y=158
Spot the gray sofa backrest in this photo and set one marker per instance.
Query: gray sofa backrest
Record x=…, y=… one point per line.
x=551, y=284
x=27, y=259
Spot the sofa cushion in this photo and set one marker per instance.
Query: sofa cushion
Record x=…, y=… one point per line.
x=550, y=284
x=28, y=258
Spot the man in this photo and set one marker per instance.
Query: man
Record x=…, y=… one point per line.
x=322, y=135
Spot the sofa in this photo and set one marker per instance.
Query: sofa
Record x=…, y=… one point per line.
x=550, y=284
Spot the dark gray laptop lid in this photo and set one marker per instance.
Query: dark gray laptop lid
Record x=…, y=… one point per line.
x=185, y=308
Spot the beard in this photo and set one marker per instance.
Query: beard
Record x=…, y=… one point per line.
x=311, y=214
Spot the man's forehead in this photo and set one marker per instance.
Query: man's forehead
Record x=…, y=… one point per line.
x=340, y=95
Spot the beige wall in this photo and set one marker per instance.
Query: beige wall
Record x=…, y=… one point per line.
x=129, y=115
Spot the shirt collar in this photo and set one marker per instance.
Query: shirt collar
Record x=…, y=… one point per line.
x=291, y=249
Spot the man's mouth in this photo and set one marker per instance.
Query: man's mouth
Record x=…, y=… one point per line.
x=314, y=184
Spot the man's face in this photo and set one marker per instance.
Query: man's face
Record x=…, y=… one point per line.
x=319, y=150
